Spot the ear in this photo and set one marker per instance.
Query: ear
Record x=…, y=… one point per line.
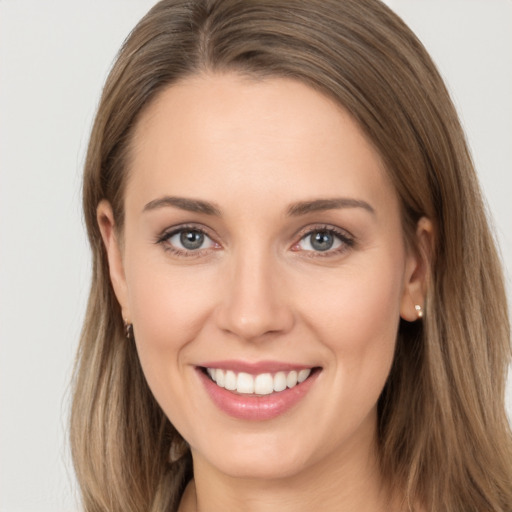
x=417, y=270
x=106, y=223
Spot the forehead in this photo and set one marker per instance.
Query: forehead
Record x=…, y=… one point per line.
x=276, y=137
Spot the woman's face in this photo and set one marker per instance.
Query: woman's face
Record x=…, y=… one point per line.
x=262, y=246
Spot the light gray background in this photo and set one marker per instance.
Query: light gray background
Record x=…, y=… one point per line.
x=54, y=56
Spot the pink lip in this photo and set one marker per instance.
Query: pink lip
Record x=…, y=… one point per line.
x=256, y=408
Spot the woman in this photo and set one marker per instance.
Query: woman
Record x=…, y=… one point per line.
x=296, y=299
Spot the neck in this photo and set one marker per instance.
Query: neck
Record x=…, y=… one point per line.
x=345, y=481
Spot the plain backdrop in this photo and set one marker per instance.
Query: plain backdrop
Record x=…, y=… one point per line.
x=54, y=57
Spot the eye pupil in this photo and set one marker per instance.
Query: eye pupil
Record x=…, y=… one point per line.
x=322, y=240
x=192, y=239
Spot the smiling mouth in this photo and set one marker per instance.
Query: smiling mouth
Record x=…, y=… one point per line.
x=258, y=385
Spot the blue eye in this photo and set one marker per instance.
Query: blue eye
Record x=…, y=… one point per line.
x=324, y=240
x=188, y=239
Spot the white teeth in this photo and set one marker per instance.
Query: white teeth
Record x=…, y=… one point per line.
x=279, y=381
x=291, y=379
x=303, y=375
x=230, y=380
x=245, y=383
x=262, y=384
x=220, y=377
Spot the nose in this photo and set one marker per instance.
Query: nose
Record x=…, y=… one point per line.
x=254, y=302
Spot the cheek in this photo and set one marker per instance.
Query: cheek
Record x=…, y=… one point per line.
x=168, y=308
x=357, y=320
x=373, y=305
x=361, y=303
x=167, y=313
x=164, y=298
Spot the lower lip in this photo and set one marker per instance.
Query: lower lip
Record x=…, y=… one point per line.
x=256, y=408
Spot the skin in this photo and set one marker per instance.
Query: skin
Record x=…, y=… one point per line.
x=258, y=290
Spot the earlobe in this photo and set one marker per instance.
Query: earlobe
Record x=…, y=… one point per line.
x=417, y=272
x=106, y=223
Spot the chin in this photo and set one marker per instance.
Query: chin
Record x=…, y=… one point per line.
x=261, y=458
x=253, y=468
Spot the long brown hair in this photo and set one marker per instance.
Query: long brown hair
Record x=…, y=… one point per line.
x=444, y=438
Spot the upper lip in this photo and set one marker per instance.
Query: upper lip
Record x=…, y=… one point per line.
x=255, y=368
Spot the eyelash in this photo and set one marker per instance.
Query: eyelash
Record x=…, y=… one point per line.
x=167, y=235
x=346, y=239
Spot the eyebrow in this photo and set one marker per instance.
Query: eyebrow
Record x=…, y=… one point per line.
x=190, y=205
x=294, y=210
x=304, y=207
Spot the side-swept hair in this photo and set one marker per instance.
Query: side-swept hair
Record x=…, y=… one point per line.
x=444, y=439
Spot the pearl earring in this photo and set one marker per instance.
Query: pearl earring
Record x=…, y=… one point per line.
x=419, y=311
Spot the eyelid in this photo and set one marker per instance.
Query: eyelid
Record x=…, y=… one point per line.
x=310, y=228
x=348, y=240
x=169, y=232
